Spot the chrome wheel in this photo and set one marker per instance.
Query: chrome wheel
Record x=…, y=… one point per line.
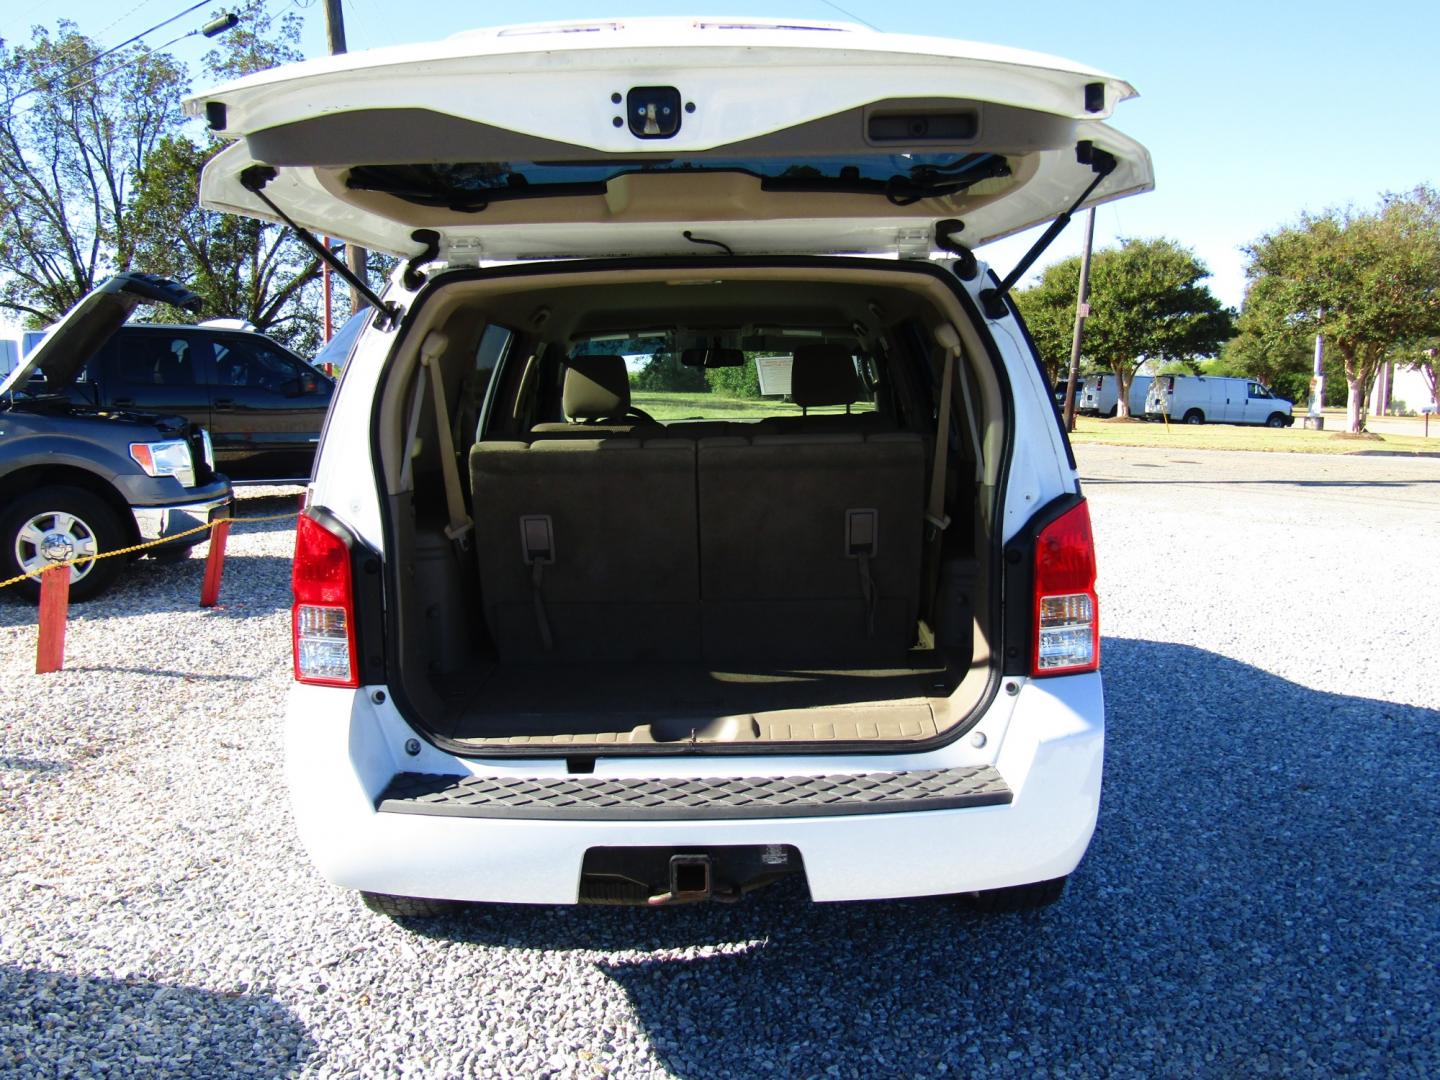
x=54, y=537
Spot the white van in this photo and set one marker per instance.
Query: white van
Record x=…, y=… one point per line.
x=1199, y=399
x=559, y=641
x=1100, y=395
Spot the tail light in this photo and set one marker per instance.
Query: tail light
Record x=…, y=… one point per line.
x=1067, y=616
x=323, y=616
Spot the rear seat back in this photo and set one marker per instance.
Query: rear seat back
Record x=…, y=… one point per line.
x=612, y=525
x=810, y=545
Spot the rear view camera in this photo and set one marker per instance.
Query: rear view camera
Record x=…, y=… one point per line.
x=654, y=111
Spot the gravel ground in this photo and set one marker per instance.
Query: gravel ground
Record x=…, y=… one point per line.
x=1261, y=896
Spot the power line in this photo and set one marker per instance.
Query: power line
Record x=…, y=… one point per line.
x=96, y=59
x=849, y=14
x=122, y=18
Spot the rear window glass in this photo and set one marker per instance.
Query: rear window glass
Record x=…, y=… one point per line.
x=473, y=185
x=668, y=388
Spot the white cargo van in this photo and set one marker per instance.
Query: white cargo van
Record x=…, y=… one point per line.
x=1100, y=395
x=555, y=643
x=1200, y=399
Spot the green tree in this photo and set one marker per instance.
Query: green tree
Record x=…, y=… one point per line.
x=663, y=371
x=243, y=268
x=1365, y=281
x=1050, y=321
x=74, y=134
x=736, y=382
x=1147, y=303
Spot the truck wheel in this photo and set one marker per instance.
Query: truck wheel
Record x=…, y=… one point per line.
x=1276, y=419
x=54, y=525
x=1030, y=897
x=409, y=907
x=1194, y=416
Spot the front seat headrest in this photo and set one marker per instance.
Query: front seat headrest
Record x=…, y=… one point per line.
x=595, y=387
x=823, y=375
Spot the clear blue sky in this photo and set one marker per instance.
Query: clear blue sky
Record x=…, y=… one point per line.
x=1253, y=111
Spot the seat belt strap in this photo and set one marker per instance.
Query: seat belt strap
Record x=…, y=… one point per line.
x=862, y=542
x=460, y=523
x=935, y=511
x=537, y=547
x=949, y=342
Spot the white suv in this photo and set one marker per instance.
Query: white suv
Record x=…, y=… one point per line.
x=590, y=605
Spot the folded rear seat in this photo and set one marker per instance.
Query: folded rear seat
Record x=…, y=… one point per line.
x=810, y=546
x=591, y=543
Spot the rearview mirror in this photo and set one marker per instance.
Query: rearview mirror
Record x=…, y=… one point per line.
x=712, y=358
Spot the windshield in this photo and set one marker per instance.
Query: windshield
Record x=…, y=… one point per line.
x=903, y=178
x=667, y=389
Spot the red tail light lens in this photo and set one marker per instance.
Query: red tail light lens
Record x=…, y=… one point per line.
x=323, y=615
x=1067, y=614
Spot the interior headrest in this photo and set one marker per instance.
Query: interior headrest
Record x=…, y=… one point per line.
x=595, y=387
x=823, y=375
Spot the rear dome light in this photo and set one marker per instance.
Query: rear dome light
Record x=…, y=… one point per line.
x=1067, y=614
x=323, y=616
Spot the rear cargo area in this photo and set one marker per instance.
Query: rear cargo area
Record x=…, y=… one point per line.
x=672, y=702
x=654, y=581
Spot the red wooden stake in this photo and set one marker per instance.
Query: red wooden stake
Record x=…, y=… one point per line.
x=54, y=606
x=214, y=564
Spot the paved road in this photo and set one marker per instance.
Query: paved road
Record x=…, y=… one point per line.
x=1261, y=897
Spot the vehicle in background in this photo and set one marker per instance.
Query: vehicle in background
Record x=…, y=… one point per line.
x=1216, y=399
x=9, y=355
x=263, y=406
x=78, y=480
x=550, y=648
x=1101, y=395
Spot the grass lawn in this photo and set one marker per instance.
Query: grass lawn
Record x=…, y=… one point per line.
x=1235, y=437
x=676, y=405
x=673, y=405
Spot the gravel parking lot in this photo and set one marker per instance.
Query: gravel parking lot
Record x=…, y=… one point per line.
x=1263, y=893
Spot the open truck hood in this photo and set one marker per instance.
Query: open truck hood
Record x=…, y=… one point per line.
x=666, y=136
x=82, y=330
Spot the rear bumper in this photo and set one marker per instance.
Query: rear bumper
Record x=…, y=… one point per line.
x=343, y=753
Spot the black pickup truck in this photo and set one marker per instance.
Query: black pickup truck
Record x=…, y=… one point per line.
x=79, y=479
x=263, y=406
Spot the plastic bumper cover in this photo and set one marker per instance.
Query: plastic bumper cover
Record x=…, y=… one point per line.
x=342, y=753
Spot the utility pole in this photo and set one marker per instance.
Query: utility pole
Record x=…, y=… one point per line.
x=1082, y=311
x=355, y=255
x=1317, y=388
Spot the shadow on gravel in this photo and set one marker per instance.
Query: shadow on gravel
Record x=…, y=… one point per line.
x=163, y=673
x=1261, y=896
x=53, y=1024
x=1217, y=481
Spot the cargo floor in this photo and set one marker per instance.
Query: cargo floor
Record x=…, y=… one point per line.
x=663, y=703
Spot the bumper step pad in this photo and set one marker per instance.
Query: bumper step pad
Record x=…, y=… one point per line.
x=597, y=798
